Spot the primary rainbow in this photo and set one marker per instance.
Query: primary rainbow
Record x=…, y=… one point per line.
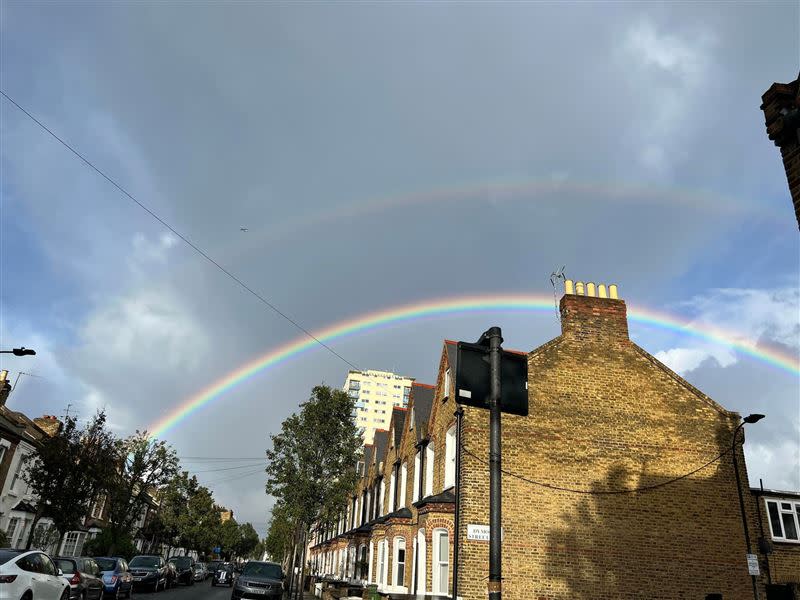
x=454, y=306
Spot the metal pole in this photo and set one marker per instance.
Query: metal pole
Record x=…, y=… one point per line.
x=741, y=503
x=495, y=587
x=459, y=414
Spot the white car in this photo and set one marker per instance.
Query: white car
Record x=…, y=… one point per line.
x=30, y=575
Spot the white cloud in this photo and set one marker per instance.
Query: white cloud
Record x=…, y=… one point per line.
x=750, y=315
x=777, y=461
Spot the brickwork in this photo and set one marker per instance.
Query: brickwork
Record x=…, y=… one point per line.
x=781, y=107
x=606, y=416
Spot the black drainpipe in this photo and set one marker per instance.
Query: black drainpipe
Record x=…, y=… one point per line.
x=457, y=521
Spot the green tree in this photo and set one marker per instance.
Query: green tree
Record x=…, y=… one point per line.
x=69, y=470
x=198, y=527
x=247, y=540
x=229, y=538
x=146, y=466
x=311, y=465
x=278, y=542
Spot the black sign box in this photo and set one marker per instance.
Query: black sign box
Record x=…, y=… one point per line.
x=472, y=379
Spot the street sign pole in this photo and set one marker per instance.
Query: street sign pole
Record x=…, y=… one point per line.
x=495, y=338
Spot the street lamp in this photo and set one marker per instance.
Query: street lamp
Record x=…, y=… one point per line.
x=754, y=418
x=19, y=351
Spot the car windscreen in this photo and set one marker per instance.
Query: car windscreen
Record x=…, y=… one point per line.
x=106, y=564
x=259, y=569
x=182, y=562
x=66, y=566
x=7, y=555
x=148, y=562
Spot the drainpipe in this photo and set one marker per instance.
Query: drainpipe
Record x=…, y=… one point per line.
x=459, y=414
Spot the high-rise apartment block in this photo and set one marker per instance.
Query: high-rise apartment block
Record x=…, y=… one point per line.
x=375, y=394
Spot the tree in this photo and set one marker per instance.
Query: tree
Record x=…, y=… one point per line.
x=229, y=538
x=198, y=527
x=311, y=465
x=278, y=542
x=247, y=541
x=70, y=469
x=146, y=466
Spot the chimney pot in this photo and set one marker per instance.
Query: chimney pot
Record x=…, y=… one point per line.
x=590, y=289
x=3, y=375
x=612, y=292
x=579, y=288
x=569, y=286
x=601, y=291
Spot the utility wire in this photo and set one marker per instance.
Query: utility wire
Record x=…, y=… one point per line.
x=191, y=244
x=250, y=466
x=219, y=459
x=259, y=470
x=601, y=492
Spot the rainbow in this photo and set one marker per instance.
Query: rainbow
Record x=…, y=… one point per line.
x=455, y=306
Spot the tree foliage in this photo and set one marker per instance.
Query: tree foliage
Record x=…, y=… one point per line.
x=278, y=542
x=77, y=460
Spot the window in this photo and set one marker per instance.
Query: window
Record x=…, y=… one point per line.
x=353, y=394
x=2, y=453
x=411, y=420
x=450, y=458
x=784, y=519
x=382, y=562
x=399, y=569
x=429, y=469
x=391, y=491
x=371, y=557
x=446, y=384
x=20, y=464
x=415, y=486
x=441, y=561
x=422, y=565
x=356, y=385
x=70, y=544
x=11, y=529
x=403, y=481
x=362, y=571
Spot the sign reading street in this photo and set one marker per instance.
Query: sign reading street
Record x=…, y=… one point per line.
x=480, y=533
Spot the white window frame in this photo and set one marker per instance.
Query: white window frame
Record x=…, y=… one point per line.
x=401, y=501
x=422, y=564
x=446, y=384
x=370, y=572
x=381, y=498
x=415, y=495
x=383, y=562
x=430, y=454
x=20, y=464
x=794, y=511
x=440, y=587
x=12, y=531
x=391, y=491
x=362, y=549
x=450, y=458
x=399, y=543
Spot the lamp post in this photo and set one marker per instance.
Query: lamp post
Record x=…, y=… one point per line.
x=754, y=418
x=19, y=351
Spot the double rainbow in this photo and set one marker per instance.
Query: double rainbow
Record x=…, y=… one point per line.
x=456, y=306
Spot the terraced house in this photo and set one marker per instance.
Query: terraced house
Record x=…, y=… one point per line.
x=619, y=483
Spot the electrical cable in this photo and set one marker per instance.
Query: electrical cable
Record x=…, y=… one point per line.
x=239, y=476
x=645, y=488
x=250, y=466
x=219, y=458
x=191, y=244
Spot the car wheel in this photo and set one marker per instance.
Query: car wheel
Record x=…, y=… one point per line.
x=155, y=586
x=65, y=595
x=26, y=596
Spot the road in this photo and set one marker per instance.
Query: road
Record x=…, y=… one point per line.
x=199, y=591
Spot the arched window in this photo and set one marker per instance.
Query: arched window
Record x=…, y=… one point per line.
x=403, y=482
x=422, y=565
x=441, y=561
x=399, y=562
x=450, y=458
x=429, y=455
x=415, y=489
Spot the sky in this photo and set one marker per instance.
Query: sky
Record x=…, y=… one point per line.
x=383, y=154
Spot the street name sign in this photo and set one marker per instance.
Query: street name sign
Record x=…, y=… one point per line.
x=480, y=533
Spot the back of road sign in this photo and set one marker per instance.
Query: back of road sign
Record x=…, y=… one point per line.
x=472, y=379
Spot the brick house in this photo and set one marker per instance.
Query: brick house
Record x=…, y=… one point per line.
x=618, y=484
x=777, y=518
x=781, y=107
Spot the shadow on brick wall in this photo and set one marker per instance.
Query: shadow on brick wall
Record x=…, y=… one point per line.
x=683, y=540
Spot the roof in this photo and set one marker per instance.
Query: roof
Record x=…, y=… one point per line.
x=423, y=401
x=379, y=442
x=766, y=492
x=25, y=507
x=445, y=497
x=399, y=419
x=452, y=354
x=368, y=455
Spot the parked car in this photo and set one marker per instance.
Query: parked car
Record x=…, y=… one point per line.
x=223, y=575
x=33, y=574
x=259, y=579
x=82, y=575
x=184, y=569
x=213, y=565
x=149, y=571
x=199, y=571
x=117, y=578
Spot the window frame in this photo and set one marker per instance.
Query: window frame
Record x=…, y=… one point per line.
x=447, y=384
x=436, y=564
x=794, y=511
x=397, y=542
x=415, y=487
x=429, y=469
x=449, y=459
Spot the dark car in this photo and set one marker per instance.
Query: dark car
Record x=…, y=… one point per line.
x=199, y=571
x=259, y=580
x=184, y=569
x=149, y=571
x=83, y=576
x=223, y=575
x=117, y=578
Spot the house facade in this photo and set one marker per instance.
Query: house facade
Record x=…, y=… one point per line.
x=618, y=484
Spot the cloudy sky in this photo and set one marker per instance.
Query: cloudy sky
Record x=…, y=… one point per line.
x=383, y=154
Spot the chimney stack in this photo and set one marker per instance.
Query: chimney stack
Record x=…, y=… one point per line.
x=593, y=313
x=5, y=387
x=49, y=424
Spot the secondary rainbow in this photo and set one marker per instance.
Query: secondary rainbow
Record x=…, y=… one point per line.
x=458, y=305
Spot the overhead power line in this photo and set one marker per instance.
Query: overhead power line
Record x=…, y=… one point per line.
x=219, y=458
x=190, y=243
x=247, y=466
x=644, y=488
x=258, y=471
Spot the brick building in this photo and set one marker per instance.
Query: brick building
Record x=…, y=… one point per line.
x=619, y=483
x=781, y=106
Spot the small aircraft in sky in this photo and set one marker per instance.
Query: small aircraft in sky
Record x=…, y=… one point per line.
x=243, y=229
